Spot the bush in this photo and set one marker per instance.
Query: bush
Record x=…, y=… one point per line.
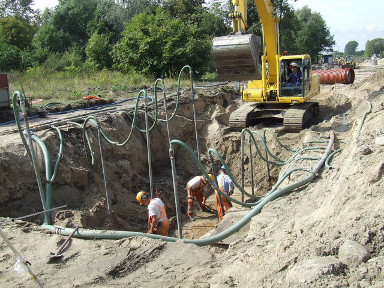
x=161, y=47
x=98, y=51
x=10, y=58
x=68, y=61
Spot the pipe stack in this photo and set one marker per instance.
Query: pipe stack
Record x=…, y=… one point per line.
x=343, y=76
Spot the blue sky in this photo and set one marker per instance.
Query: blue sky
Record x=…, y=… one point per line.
x=347, y=20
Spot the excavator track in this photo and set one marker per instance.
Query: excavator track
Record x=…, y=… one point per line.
x=293, y=117
x=238, y=118
x=299, y=115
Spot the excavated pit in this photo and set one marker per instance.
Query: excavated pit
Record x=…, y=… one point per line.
x=328, y=234
x=80, y=186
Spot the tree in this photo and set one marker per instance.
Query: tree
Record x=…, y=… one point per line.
x=98, y=51
x=159, y=45
x=350, y=48
x=375, y=46
x=10, y=58
x=17, y=32
x=17, y=8
x=108, y=18
x=182, y=9
x=289, y=25
x=71, y=18
x=51, y=40
x=314, y=36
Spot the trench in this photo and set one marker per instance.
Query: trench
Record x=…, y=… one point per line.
x=98, y=181
x=80, y=186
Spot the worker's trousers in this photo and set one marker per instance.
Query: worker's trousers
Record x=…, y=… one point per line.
x=163, y=227
x=199, y=197
x=226, y=204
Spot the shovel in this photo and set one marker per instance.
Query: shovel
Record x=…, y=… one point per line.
x=55, y=255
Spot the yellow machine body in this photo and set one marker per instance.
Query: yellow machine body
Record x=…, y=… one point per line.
x=237, y=58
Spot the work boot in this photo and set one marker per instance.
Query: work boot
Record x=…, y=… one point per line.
x=208, y=209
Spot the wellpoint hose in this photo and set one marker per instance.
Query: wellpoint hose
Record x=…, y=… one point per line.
x=29, y=149
x=213, y=185
x=103, y=234
x=201, y=168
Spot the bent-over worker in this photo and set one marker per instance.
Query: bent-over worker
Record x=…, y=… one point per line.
x=198, y=187
x=226, y=186
x=158, y=220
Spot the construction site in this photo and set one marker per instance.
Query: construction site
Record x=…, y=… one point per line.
x=307, y=207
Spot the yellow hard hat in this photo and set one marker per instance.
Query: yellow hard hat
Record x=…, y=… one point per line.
x=141, y=196
x=211, y=176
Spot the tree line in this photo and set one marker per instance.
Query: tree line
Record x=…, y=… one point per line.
x=374, y=46
x=153, y=37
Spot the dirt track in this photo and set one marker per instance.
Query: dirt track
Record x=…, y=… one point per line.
x=329, y=234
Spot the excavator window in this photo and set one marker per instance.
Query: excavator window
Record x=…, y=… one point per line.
x=306, y=76
x=289, y=88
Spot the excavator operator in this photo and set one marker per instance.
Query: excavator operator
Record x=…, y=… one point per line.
x=294, y=79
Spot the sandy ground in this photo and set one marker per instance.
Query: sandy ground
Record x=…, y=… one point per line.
x=328, y=233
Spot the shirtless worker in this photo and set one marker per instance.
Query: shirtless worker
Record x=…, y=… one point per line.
x=198, y=187
x=158, y=219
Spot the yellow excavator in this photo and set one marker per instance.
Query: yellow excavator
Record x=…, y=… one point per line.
x=270, y=96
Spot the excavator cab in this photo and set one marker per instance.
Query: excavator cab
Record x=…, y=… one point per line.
x=291, y=86
x=299, y=88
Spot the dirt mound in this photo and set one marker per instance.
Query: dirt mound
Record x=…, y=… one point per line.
x=327, y=234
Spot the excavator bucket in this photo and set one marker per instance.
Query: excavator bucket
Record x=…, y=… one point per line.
x=237, y=57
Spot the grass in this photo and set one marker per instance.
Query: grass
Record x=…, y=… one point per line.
x=69, y=86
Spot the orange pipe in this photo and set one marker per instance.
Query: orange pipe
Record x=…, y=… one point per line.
x=343, y=76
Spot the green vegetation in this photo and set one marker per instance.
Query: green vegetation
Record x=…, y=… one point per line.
x=67, y=87
x=107, y=47
x=375, y=46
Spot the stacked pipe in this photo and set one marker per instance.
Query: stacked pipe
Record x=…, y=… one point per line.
x=343, y=76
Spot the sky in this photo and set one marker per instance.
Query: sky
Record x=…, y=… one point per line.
x=42, y=4
x=347, y=20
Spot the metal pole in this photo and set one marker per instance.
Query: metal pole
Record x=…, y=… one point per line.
x=251, y=159
x=242, y=166
x=177, y=205
x=266, y=157
x=148, y=143
x=20, y=258
x=194, y=114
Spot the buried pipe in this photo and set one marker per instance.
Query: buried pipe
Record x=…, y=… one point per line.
x=342, y=76
x=105, y=234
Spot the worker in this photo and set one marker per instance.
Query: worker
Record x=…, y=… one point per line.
x=226, y=186
x=198, y=187
x=157, y=217
x=294, y=78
